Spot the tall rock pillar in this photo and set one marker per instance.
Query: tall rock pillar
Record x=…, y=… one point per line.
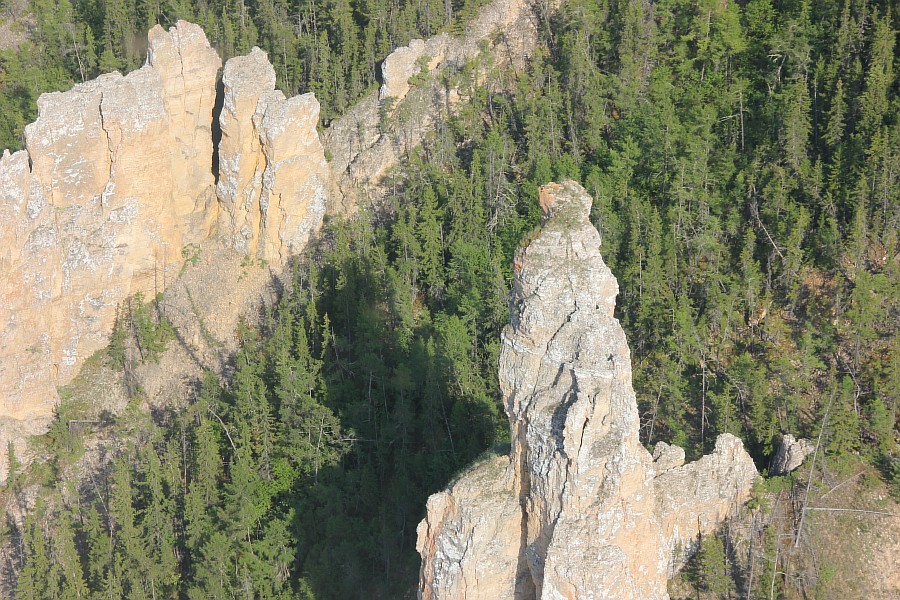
x=579, y=509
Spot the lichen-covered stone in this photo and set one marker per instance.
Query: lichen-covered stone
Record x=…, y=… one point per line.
x=597, y=517
x=469, y=538
x=667, y=457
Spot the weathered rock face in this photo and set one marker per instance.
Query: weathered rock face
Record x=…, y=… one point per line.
x=579, y=509
x=790, y=454
x=408, y=61
x=117, y=178
x=375, y=134
x=188, y=68
x=471, y=539
x=273, y=175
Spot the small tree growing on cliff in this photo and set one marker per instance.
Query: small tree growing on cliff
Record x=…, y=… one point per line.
x=153, y=332
x=13, y=466
x=713, y=566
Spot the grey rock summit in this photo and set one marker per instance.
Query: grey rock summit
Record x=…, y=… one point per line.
x=579, y=509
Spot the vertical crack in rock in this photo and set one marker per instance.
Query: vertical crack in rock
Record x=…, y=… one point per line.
x=115, y=181
x=110, y=185
x=578, y=509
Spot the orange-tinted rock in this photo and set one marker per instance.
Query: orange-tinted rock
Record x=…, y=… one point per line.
x=595, y=516
x=116, y=180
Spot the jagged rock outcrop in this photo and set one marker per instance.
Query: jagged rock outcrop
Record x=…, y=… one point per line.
x=408, y=61
x=122, y=173
x=376, y=133
x=579, y=509
x=117, y=178
x=790, y=454
x=273, y=178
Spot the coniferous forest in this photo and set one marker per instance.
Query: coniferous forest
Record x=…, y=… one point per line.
x=744, y=158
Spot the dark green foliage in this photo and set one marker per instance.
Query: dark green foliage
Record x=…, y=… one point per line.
x=149, y=326
x=408, y=366
x=713, y=566
x=13, y=465
x=141, y=332
x=743, y=157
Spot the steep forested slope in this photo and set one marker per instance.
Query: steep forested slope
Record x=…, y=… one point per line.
x=744, y=159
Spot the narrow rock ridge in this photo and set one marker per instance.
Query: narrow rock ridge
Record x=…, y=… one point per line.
x=377, y=133
x=117, y=179
x=579, y=509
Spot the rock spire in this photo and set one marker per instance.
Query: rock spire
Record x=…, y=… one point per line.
x=579, y=509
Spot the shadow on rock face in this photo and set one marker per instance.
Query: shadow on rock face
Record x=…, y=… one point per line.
x=579, y=508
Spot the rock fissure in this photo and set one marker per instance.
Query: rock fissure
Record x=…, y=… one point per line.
x=588, y=516
x=113, y=149
x=116, y=180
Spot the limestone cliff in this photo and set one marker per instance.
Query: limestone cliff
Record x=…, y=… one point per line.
x=122, y=173
x=118, y=176
x=374, y=135
x=579, y=509
x=273, y=177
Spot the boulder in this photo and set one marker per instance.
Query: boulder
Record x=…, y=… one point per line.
x=790, y=454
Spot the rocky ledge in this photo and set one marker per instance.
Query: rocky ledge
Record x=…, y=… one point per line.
x=579, y=509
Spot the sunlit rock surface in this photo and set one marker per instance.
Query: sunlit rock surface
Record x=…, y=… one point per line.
x=119, y=177
x=579, y=509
